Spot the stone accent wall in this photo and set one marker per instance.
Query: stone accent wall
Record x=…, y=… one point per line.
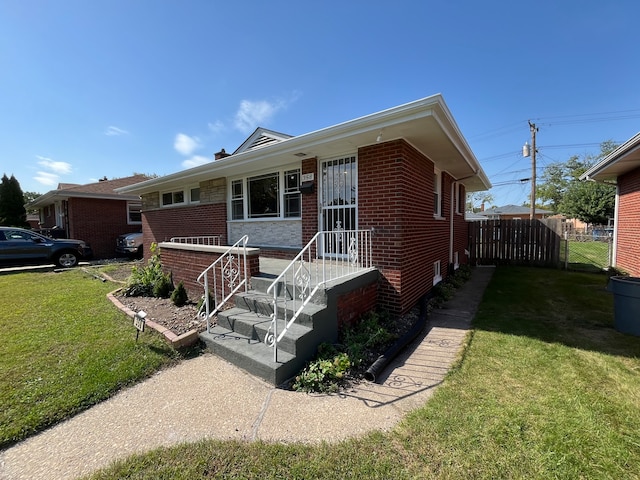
x=213, y=191
x=277, y=233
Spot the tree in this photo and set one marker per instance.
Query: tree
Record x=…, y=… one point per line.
x=30, y=197
x=476, y=199
x=12, y=211
x=562, y=191
x=591, y=202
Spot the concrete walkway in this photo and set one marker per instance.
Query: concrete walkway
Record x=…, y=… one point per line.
x=207, y=397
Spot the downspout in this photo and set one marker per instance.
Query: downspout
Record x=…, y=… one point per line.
x=616, y=212
x=453, y=191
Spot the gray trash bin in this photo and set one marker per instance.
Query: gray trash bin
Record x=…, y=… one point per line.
x=626, y=303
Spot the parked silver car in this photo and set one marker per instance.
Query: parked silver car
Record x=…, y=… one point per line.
x=130, y=244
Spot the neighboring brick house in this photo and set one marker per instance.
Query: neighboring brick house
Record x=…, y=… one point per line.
x=622, y=167
x=93, y=212
x=402, y=173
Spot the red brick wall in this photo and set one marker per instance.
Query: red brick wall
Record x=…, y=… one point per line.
x=310, y=203
x=461, y=232
x=395, y=198
x=186, y=266
x=352, y=305
x=161, y=224
x=628, y=241
x=98, y=222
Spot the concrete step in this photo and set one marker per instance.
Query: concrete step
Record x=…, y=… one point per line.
x=262, y=305
x=255, y=327
x=252, y=355
x=261, y=284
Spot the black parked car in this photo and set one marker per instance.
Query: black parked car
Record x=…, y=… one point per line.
x=21, y=247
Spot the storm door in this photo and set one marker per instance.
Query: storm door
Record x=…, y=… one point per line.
x=339, y=203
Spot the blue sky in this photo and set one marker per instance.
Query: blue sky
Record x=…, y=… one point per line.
x=94, y=89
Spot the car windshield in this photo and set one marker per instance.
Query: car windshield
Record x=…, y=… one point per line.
x=21, y=235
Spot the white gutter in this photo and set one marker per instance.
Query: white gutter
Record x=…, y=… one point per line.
x=611, y=159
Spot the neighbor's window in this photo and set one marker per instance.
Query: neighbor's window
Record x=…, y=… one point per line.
x=456, y=260
x=292, y=196
x=134, y=212
x=437, y=274
x=173, y=198
x=237, y=200
x=437, y=193
x=264, y=196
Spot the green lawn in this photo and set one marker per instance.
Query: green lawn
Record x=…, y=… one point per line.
x=587, y=256
x=65, y=347
x=546, y=388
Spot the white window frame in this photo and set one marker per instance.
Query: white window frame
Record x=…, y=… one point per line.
x=283, y=192
x=456, y=260
x=437, y=272
x=459, y=201
x=190, y=190
x=139, y=208
x=186, y=196
x=437, y=193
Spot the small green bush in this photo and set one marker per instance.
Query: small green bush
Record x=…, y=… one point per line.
x=179, y=296
x=324, y=374
x=149, y=280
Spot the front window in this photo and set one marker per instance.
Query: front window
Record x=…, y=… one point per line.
x=264, y=196
x=173, y=198
x=194, y=195
x=272, y=195
x=292, y=197
x=237, y=200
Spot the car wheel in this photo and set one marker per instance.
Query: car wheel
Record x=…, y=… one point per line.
x=67, y=260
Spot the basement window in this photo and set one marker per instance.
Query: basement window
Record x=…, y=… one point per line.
x=437, y=273
x=134, y=213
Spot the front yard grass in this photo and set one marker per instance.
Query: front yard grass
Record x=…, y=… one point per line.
x=65, y=347
x=546, y=388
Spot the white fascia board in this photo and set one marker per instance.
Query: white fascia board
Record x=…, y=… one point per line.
x=377, y=121
x=627, y=147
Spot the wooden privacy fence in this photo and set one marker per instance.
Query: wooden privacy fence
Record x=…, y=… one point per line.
x=526, y=242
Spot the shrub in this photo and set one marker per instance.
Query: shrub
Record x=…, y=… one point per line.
x=149, y=280
x=179, y=296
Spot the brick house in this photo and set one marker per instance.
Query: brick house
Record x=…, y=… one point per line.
x=94, y=212
x=402, y=174
x=622, y=167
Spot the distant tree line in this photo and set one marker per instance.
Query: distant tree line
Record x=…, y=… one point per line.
x=12, y=202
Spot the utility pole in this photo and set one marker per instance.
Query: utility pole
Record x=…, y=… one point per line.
x=525, y=153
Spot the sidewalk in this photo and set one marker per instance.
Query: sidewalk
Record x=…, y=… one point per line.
x=206, y=397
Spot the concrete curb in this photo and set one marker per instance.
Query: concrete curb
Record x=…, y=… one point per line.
x=176, y=341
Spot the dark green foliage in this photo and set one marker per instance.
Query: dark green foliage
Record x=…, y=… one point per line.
x=150, y=280
x=335, y=363
x=12, y=211
x=179, y=296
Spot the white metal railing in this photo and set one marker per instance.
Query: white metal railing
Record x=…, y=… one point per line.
x=203, y=240
x=328, y=256
x=231, y=268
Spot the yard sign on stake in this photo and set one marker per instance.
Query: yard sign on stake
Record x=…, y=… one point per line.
x=138, y=322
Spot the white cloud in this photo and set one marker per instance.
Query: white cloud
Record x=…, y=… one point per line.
x=250, y=115
x=195, y=161
x=60, y=168
x=186, y=145
x=46, y=178
x=217, y=127
x=112, y=131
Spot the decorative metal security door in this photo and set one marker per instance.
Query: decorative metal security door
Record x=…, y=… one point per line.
x=339, y=203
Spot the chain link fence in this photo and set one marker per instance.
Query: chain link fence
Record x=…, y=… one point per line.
x=590, y=251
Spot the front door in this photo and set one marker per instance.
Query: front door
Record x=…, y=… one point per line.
x=339, y=202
